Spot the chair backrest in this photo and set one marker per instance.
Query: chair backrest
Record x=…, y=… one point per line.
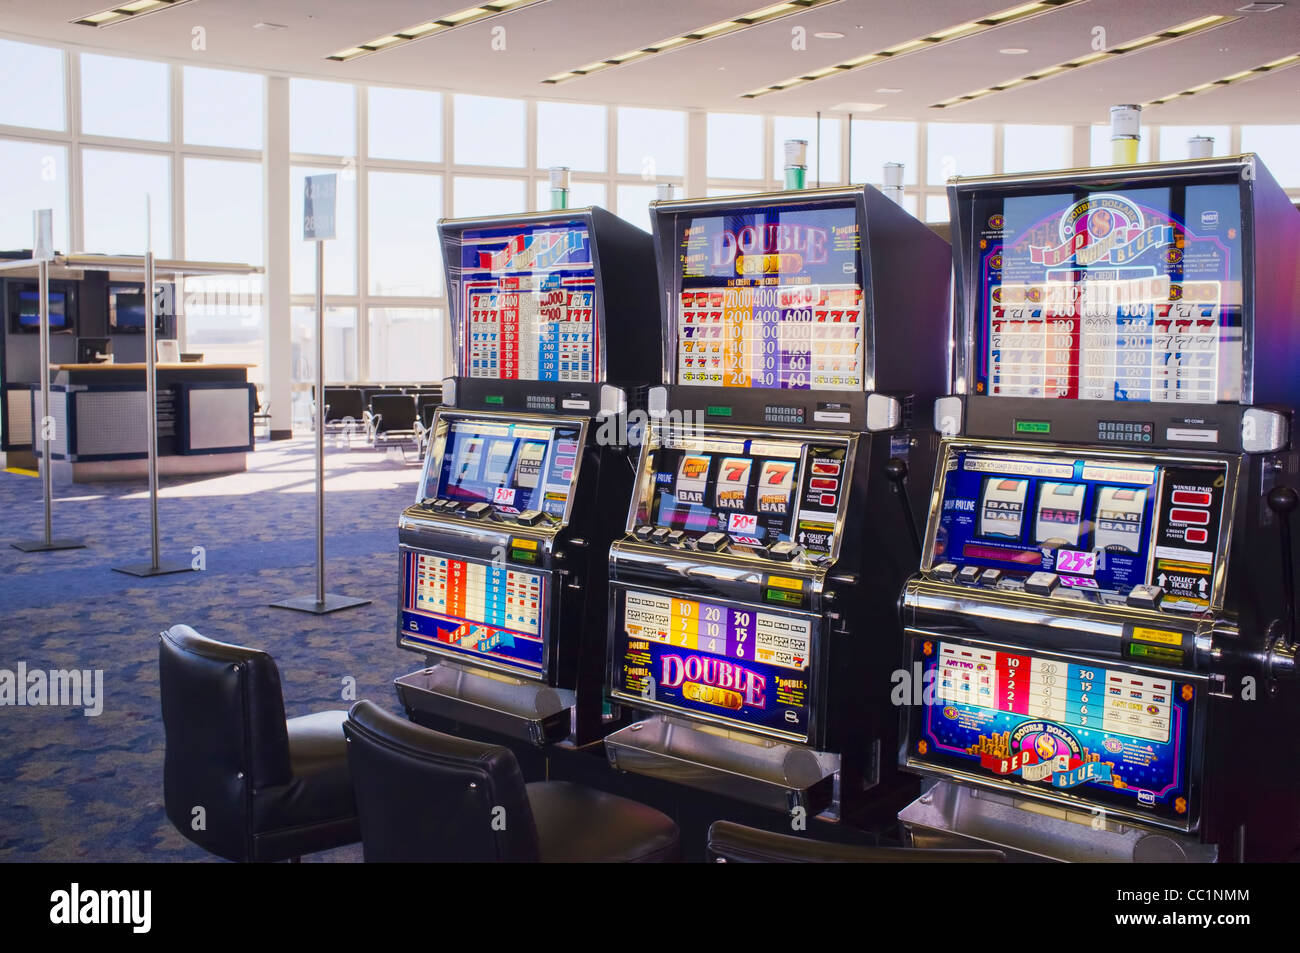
x=396, y=411
x=344, y=402
x=426, y=399
x=223, y=714
x=736, y=843
x=427, y=797
x=427, y=411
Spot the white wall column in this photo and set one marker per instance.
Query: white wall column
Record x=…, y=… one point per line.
x=275, y=285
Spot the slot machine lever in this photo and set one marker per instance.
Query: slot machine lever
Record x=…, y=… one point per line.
x=1282, y=500
x=896, y=472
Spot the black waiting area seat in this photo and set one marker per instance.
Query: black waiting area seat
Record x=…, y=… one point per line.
x=425, y=796
x=239, y=779
x=351, y=409
x=392, y=420
x=736, y=843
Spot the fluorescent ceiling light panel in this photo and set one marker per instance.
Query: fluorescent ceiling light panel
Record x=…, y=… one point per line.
x=429, y=28
x=745, y=21
x=950, y=34
x=1180, y=32
x=127, y=11
x=1231, y=80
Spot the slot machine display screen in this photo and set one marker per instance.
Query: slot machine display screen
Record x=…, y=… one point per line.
x=1133, y=294
x=468, y=607
x=1103, y=526
x=528, y=303
x=1108, y=735
x=757, y=492
x=730, y=661
x=512, y=466
x=770, y=297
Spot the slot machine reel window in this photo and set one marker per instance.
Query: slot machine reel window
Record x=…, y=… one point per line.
x=758, y=493
x=771, y=298
x=514, y=467
x=1102, y=526
x=1130, y=295
x=528, y=304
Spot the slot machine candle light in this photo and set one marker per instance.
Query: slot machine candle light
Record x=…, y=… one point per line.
x=1092, y=638
x=753, y=594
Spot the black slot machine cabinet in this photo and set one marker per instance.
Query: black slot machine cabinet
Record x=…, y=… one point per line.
x=753, y=597
x=503, y=553
x=1099, y=636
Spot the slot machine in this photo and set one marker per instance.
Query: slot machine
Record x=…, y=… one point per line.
x=503, y=552
x=753, y=595
x=1100, y=638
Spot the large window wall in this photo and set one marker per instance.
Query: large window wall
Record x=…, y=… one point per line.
x=91, y=136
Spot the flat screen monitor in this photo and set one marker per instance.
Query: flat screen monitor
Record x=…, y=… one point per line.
x=528, y=303
x=25, y=308
x=770, y=297
x=127, y=309
x=1126, y=294
x=513, y=467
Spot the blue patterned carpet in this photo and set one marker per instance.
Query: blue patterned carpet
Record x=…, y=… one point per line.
x=79, y=788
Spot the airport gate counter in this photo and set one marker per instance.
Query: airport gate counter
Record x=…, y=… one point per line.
x=1101, y=633
x=753, y=598
x=503, y=554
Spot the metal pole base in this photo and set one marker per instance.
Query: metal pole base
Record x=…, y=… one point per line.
x=41, y=546
x=164, y=568
x=333, y=603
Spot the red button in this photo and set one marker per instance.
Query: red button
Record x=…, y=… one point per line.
x=828, y=499
x=1188, y=498
x=830, y=468
x=1196, y=535
x=1190, y=516
x=824, y=484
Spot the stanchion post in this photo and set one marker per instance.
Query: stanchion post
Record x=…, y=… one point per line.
x=318, y=226
x=42, y=251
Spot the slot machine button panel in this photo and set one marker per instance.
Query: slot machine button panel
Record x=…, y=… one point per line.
x=946, y=571
x=1042, y=583
x=712, y=542
x=991, y=578
x=478, y=510
x=1145, y=597
x=675, y=537
x=530, y=517
x=643, y=532
x=660, y=535
x=970, y=575
x=450, y=506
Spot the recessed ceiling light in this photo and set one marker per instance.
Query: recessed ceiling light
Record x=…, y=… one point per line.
x=857, y=107
x=959, y=31
x=269, y=26
x=829, y=35
x=703, y=34
x=1013, y=51
x=889, y=89
x=1242, y=76
x=128, y=10
x=420, y=31
x=1258, y=7
x=1170, y=35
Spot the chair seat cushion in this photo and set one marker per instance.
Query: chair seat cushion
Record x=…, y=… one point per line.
x=577, y=824
x=321, y=789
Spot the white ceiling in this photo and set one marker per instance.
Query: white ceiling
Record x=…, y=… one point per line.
x=558, y=35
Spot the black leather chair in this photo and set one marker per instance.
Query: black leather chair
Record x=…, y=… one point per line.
x=425, y=796
x=736, y=843
x=270, y=788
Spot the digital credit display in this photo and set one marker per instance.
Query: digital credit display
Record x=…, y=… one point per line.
x=466, y=607
x=727, y=660
x=1101, y=525
x=511, y=466
x=1125, y=295
x=528, y=303
x=758, y=492
x=1107, y=735
x=770, y=297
